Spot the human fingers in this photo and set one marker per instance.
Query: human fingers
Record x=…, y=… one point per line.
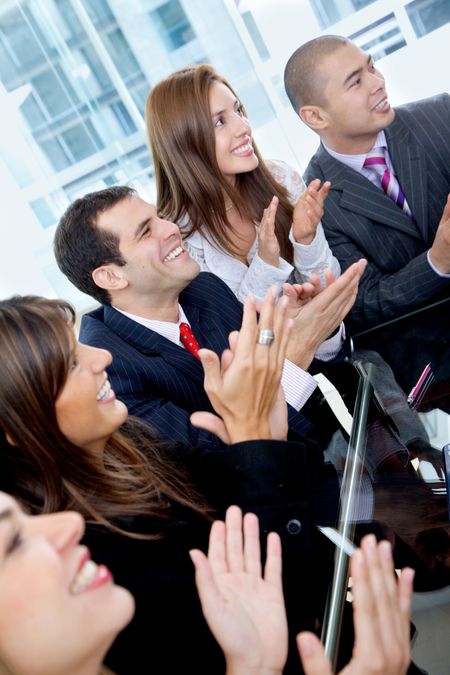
x=282, y=326
x=312, y=654
x=234, y=539
x=316, y=281
x=394, y=626
x=314, y=185
x=252, y=549
x=233, y=340
x=405, y=590
x=217, y=554
x=273, y=566
x=247, y=335
x=270, y=217
x=446, y=212
x=328, y=277
x=211, y=368
x=212, y=423
x=204, y=580
x=266, y=318
x=365, y=619
x=324, y=190
x=400, y=591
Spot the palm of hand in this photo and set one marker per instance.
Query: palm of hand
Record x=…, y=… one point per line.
x=250, y=619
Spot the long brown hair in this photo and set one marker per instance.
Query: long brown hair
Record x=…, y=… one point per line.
x=38, y=464
x=188, y=179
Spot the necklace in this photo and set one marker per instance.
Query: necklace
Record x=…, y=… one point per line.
x=229, y=207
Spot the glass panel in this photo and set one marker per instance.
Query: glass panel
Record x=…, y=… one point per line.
x=174, y=25
x=329, y=12
x=427, y=15
x=380, y=38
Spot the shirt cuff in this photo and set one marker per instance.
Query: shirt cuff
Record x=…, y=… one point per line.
x=310, y=254
x=298, y=385
x=331, y=347
x=435, y=269
x=260, y=276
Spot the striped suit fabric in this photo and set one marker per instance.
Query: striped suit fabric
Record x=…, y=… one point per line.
x=163, y=382
x=360, y=220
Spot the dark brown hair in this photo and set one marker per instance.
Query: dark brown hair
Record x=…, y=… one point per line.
x=302, y=78
x=188, y=179
x=38, y=464
x=80, y=246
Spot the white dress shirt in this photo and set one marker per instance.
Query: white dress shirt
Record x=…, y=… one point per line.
x=258, y=276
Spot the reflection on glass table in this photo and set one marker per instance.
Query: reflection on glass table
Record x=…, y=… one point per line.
x=399, y=498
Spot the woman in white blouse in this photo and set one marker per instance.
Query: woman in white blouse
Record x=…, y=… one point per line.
x=213, y=182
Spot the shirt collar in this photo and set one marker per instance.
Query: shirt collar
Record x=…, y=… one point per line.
x=168, y=329
x=356, y=161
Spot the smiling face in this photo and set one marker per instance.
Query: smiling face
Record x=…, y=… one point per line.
x=356, y=107
x=157, y=266
x=234, y=150
x=87, y=410
x=59, y=611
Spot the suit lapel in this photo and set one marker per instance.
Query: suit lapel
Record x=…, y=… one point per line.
x=359, y=195
x=151, y=343
x=409, y=161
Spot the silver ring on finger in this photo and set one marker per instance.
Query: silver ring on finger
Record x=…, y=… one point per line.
x=265, y=337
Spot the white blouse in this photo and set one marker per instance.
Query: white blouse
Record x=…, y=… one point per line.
x=258, y=276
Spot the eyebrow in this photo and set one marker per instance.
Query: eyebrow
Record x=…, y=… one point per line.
x=357, y=71
x=221, y=112
x=141, y=227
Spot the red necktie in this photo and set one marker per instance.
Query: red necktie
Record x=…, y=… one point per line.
x=187, y=338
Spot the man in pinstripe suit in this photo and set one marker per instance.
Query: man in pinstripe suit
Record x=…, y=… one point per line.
x=114, y=246
x=338, y=92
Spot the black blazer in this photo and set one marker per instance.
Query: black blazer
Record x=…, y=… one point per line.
x=360, y=220
x=162, y=382
x=290, y=490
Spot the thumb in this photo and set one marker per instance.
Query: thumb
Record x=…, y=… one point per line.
x=312, y=654
x=204, y=580
x=212, y=423
x=211, y=367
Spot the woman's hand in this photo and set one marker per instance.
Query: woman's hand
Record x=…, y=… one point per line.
x=243, y=386
x=298, y=295
x=244, y=610
x=308, y=211
x=268, y=246
x=381, y=615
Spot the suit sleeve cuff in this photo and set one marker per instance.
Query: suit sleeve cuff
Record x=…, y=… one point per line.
x=435, y=269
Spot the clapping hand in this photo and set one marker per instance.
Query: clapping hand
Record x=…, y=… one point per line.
x=309, y=210
x=268, y=246
x=244, y=609
x=322, y=315
x=244, y=384
x=381, y=615
x=299, y=295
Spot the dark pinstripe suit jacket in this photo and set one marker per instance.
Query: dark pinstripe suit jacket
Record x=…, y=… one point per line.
x=160, y=381
x=360, y=220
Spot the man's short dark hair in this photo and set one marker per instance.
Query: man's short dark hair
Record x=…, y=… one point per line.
x=80, y=246
x=302, y=79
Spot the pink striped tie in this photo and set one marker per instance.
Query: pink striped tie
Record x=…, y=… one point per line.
x=376, y=161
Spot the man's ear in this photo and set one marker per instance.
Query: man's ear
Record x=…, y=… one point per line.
x=110, y=277
x=314, y=116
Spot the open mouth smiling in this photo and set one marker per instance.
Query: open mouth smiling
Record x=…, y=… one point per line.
x=174, y=254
